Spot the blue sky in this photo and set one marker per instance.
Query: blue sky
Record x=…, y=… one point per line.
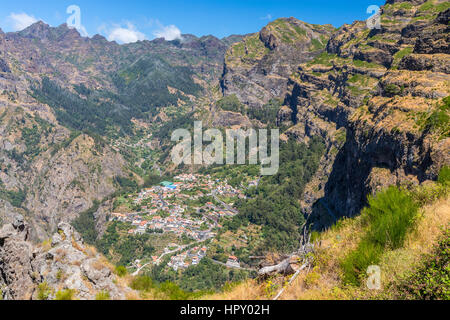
x=131, y=20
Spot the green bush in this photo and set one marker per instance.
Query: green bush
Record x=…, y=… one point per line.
x=67, y=294
x=444, y=175
x=388, y=218
x=390, y=215
x=121, y=271
x=438, y=121
x=44, y=291
x=392, y=90
x=102, y=295
x=431, y=281
x=142, y=283
x=231, y=103
x=356, y=263
x=85, y=223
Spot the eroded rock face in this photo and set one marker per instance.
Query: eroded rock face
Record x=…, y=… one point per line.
x=29, y=271
x=257, y=68
x=373, y=85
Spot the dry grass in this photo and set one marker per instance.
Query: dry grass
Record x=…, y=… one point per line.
x=249, y=290
x=324, y=281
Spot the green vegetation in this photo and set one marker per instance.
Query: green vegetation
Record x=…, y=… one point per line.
x=402, y=53
x=392, y=90
x=431, y=6
x=142, y=283
x=209, y=276
x=274, y=204
x=15, y=198
x=388, y=218
x=268, y=113
x=231, y=103
x=444, y=175
x=318, y=44
x=250, y=48
x=324, y=58
x=165, y=290
x=103, y=295
x=365, y=64
x=121, y=271
x=85, y=223
x=431, y=280
x=44, y=291
x=67, y=294
x=92, y=114
x=289, y=33
x=194, y=282
x=126, y=184
x=118, y=246
x=142, y=91
x=144, y=85
x=32, y=138
x=438, y=121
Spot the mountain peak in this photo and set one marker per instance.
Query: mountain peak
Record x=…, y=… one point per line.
x=99, y=38
x=38, y=30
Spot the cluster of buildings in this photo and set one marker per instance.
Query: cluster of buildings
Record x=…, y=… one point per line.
x=163, y=208
x=188, y=258
x=174, y=223
x=169, y=208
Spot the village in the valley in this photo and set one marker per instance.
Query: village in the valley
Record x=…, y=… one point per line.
x=180, y=208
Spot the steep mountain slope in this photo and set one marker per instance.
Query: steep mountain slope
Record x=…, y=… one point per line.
x=377, y=97
x=64, y=268
x=65, y=100
x=257, y=68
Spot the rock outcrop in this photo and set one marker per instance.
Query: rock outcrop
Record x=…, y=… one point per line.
x=257, y=68
x=369, y=95
x=29, y=271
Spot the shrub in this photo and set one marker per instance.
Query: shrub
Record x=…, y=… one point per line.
x=173, y=292
x=121, y=271
x=444, y=175
x=431, y=280
x=231, y=103
x=67, y=294
x=142, y=283
x=388, y=217
x=102, y=295
x=43, y=291
x=437, y=121
x=392, y=90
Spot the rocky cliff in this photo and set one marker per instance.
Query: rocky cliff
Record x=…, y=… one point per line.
x=63, y=264
x=257, y=68
x=375, y=96
x=64, y=100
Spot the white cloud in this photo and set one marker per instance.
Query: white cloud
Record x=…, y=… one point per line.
x=168, y=32
x=267, y=17
x=20, y=21
x=126, y=34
